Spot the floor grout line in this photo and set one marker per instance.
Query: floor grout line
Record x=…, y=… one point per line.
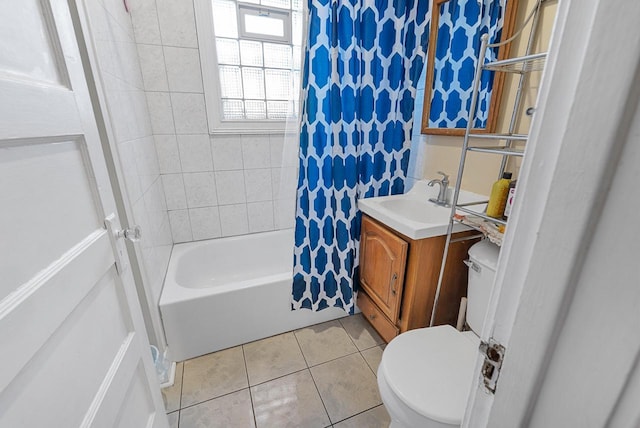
x=246, y=371
x=359, y=413
x=214, y=398
x=181, y=389
x=301, y=351
x=348, y=335
x=314, y=383
x=279, y=377
x=321, y=400
x=308, y=368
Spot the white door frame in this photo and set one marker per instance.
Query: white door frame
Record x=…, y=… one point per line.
x=578, y=132
x=150, y=309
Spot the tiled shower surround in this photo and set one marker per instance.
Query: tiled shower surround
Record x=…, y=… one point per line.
x=119, y=72
x=225, y=185
x=215, y=185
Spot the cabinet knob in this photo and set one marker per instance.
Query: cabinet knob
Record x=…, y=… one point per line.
x=393, y=283
x=372, y=317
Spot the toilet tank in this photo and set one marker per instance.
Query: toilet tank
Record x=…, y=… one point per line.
x=483, y=258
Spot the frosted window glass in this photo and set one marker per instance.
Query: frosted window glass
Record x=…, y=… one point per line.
x=225, y=22
x=278, y=109
x=251, y=53
x=228, y=51
x=296, y=85
x=256, y=110
x=264, y=25
x=297, y=57
x=230, y=82
x=253, y=82
x=233, y=109
x=284, y=4
x=278, y=84
x=259, y=75
x=296, y=27
x=277, y=56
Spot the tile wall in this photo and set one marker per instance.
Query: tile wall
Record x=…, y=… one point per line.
x=215, y=185
x=122, y=81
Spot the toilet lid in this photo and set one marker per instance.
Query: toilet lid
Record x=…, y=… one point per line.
x=431, y=370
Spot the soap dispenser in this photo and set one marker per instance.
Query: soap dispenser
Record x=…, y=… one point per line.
x=498, y=198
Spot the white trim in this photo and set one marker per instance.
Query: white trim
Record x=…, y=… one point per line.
x=283, y=15
x=208, y=61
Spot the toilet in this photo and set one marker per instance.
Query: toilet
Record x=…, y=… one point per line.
x=425, y=375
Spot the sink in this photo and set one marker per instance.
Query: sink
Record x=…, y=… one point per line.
x=417, y=210
x=412, y=214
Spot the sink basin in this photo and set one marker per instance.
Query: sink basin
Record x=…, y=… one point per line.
x=412, y=214
x=417, y=210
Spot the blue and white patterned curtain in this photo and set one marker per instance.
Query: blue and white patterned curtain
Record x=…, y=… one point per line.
x=363, y=61
x=461, y=24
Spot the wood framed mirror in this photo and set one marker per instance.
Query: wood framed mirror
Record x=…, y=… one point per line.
x=445, y=113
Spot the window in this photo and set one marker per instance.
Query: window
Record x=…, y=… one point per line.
x=251, y=60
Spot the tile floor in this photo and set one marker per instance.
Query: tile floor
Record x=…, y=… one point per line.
x=319, y=376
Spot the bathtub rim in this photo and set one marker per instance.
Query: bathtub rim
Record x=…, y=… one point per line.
x=172, y=292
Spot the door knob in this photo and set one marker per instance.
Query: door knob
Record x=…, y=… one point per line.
x=133, y=234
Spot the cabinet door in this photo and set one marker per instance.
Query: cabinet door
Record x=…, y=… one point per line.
x=383, y=256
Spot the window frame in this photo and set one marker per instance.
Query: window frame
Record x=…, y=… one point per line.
x=245, y=9
x=211, y=83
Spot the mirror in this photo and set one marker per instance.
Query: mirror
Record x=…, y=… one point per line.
x=454, y=45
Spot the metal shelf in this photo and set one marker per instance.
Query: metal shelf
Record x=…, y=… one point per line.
x=486, y=228
x=481, y=215
x=467, y=204
x=510, y=137
x=524, y=64
x=492, y=228
x=498, y=150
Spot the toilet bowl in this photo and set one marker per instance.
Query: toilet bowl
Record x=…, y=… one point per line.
x=426, y=374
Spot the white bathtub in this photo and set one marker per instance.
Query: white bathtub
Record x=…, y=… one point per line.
x=224, y=292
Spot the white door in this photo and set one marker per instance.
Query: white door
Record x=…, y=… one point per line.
x=567, y=292
x=73, y=349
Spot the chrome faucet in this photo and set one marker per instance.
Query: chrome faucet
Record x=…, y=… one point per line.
x=442, y=194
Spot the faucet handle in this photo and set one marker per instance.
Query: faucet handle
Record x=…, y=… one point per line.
x=444, y=176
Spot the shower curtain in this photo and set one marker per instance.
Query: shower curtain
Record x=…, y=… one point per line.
x=362, y=63
x=464, y=21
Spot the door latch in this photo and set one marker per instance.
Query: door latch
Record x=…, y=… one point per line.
x=119, y=249
x=493, y=355
x=133, y=234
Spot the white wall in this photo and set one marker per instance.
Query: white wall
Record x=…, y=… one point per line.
x=128, y=116
x=218, y=185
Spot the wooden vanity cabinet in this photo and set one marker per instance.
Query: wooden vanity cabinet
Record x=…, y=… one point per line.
x=399, y=277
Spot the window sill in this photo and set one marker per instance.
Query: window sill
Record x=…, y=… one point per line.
x=227, y=128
